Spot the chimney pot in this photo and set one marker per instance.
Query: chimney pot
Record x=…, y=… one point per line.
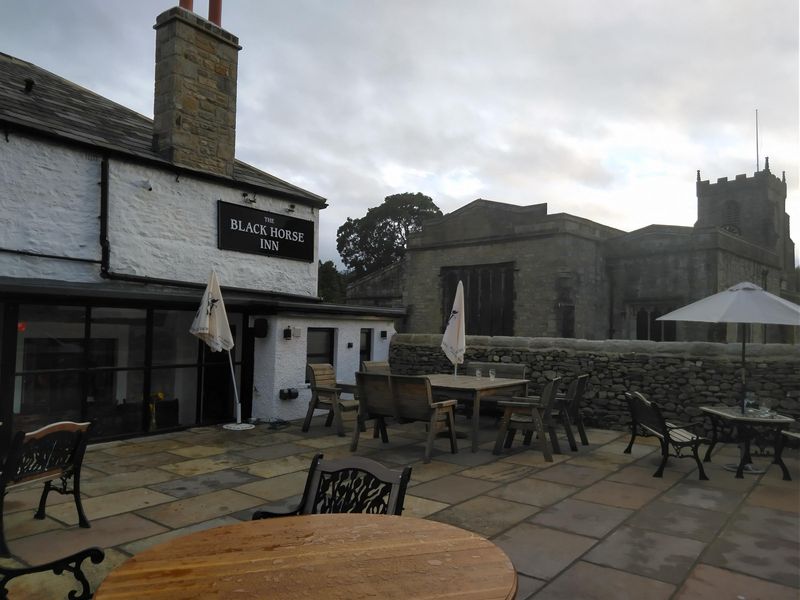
x=215, y=12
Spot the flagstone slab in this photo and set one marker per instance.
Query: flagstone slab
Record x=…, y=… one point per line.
x=276, y=488
x=116, y=503
x=600, y=460
x=464, y=456
x=767, y=522
x=703, y=497
x=584, y=518
x=136, y=463
x=202, y=484
x=485, y=515
x=453, y=488
x=268, y=438
x=272, y=451
x=604, y=436
x=278, y=466
x=199, y=466
x=143, y=544
x=498, y=472
x=415, y=506
x=542, y=552
x=422, y=472
x=637, y=475
x=27, y=499
x=571, y=474
x=650, y=554
x=201, y=451
x=676, y=519
x=641, y=447
x=329, y=441
x=532, y=458
x=22, y=524
x=528, y=586
x=622, y=495
x=124, y=481
x=189, y=511
x=534, y=491
x=706, y=582
x=785, y=498
x=587, y=581
x=145, y=447
x=105, y=533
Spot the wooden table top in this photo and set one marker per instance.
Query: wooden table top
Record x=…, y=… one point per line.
x=470, y=382
x=337, y=557
x=734, y=413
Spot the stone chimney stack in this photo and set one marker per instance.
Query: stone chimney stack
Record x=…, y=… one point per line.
x=194, y=121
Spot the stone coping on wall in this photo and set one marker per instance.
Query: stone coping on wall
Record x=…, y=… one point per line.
x=732, y=351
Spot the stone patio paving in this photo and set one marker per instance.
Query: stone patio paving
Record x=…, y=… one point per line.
x=592, y=524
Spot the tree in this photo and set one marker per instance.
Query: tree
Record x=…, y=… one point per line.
x=379, y=238
x=331, y=283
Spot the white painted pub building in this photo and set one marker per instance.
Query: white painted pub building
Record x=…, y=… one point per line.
x=110, y=224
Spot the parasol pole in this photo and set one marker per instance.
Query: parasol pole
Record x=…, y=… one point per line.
x=235, y=391
x=744, y=370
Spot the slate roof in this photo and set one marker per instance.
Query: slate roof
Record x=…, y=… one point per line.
x=58, y=107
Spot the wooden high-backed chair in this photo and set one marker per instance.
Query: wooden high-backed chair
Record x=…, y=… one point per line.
x=376, y=366
x=529, y=416
x=326, y=393
x=414, y=402
x=375, y=401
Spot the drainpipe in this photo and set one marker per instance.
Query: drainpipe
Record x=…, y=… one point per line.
x=105, y=248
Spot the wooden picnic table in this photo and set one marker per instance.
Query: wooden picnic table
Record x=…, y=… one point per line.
x=471, y=389
x=338, y=557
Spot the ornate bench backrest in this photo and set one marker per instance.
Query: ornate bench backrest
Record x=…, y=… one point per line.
x=47, y=453
x=646, y=413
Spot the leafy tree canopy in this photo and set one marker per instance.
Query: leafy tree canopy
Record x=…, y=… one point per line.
x=331, y=283
x=378, y=239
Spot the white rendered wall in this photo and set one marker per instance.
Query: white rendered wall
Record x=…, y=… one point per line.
x=165, y=228
x=281, y=363
x=49, y=204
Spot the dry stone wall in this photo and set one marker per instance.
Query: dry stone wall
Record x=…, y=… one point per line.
x=679, y=376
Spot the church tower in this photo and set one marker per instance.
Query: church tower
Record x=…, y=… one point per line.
x=752, y=208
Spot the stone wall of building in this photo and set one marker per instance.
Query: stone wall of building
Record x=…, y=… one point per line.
x=679, y=376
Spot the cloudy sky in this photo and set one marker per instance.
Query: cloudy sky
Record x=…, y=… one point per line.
x=604, y=110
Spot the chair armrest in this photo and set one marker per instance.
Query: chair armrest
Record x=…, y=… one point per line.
x=681, y=425
x=332, y=390
x=443, y=403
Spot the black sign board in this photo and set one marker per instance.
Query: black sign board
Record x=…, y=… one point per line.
x=246, y=229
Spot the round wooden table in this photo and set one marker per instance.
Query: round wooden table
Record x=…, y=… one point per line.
x=340, y=556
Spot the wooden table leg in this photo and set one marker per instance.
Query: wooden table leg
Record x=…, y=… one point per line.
x=476, y=419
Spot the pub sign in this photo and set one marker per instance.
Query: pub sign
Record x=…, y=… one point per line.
x=246, y=229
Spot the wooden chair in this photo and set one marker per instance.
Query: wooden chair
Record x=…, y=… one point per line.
x=530, y=416
x=53, y=452
x=71, y=564
x=375, y=401
x=376, y=366
x=414, y=402
x=326, y=393
x=646, y=418
x=568, y=411
x=349, y=485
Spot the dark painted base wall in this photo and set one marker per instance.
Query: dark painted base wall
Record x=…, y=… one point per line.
x=679, y=376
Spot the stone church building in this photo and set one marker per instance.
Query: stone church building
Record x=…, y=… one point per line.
x=533, y=274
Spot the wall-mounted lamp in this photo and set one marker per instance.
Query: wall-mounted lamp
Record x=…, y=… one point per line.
x=383, y=335
x=349, y=344
x=290, y=209
x=248, y=198
x=287, y=333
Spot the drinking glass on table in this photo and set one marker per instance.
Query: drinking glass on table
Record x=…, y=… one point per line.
x=478, y=373
x=492, y=374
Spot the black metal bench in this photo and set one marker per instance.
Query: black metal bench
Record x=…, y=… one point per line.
x=54, y=452
x=783, y=437
x=646, y=418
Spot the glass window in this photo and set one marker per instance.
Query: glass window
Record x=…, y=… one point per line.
x=320, y=345
x=365, y=347
x=117, y=337
x=172, y=342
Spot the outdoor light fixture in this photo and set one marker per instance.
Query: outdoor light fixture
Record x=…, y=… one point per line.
x=349, y=344
x=383, y=335
x=248, y=198
x=290, y=209
x=287, y=333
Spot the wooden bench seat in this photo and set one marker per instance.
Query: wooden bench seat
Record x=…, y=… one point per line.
x=646, y=419
x=786, y=435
